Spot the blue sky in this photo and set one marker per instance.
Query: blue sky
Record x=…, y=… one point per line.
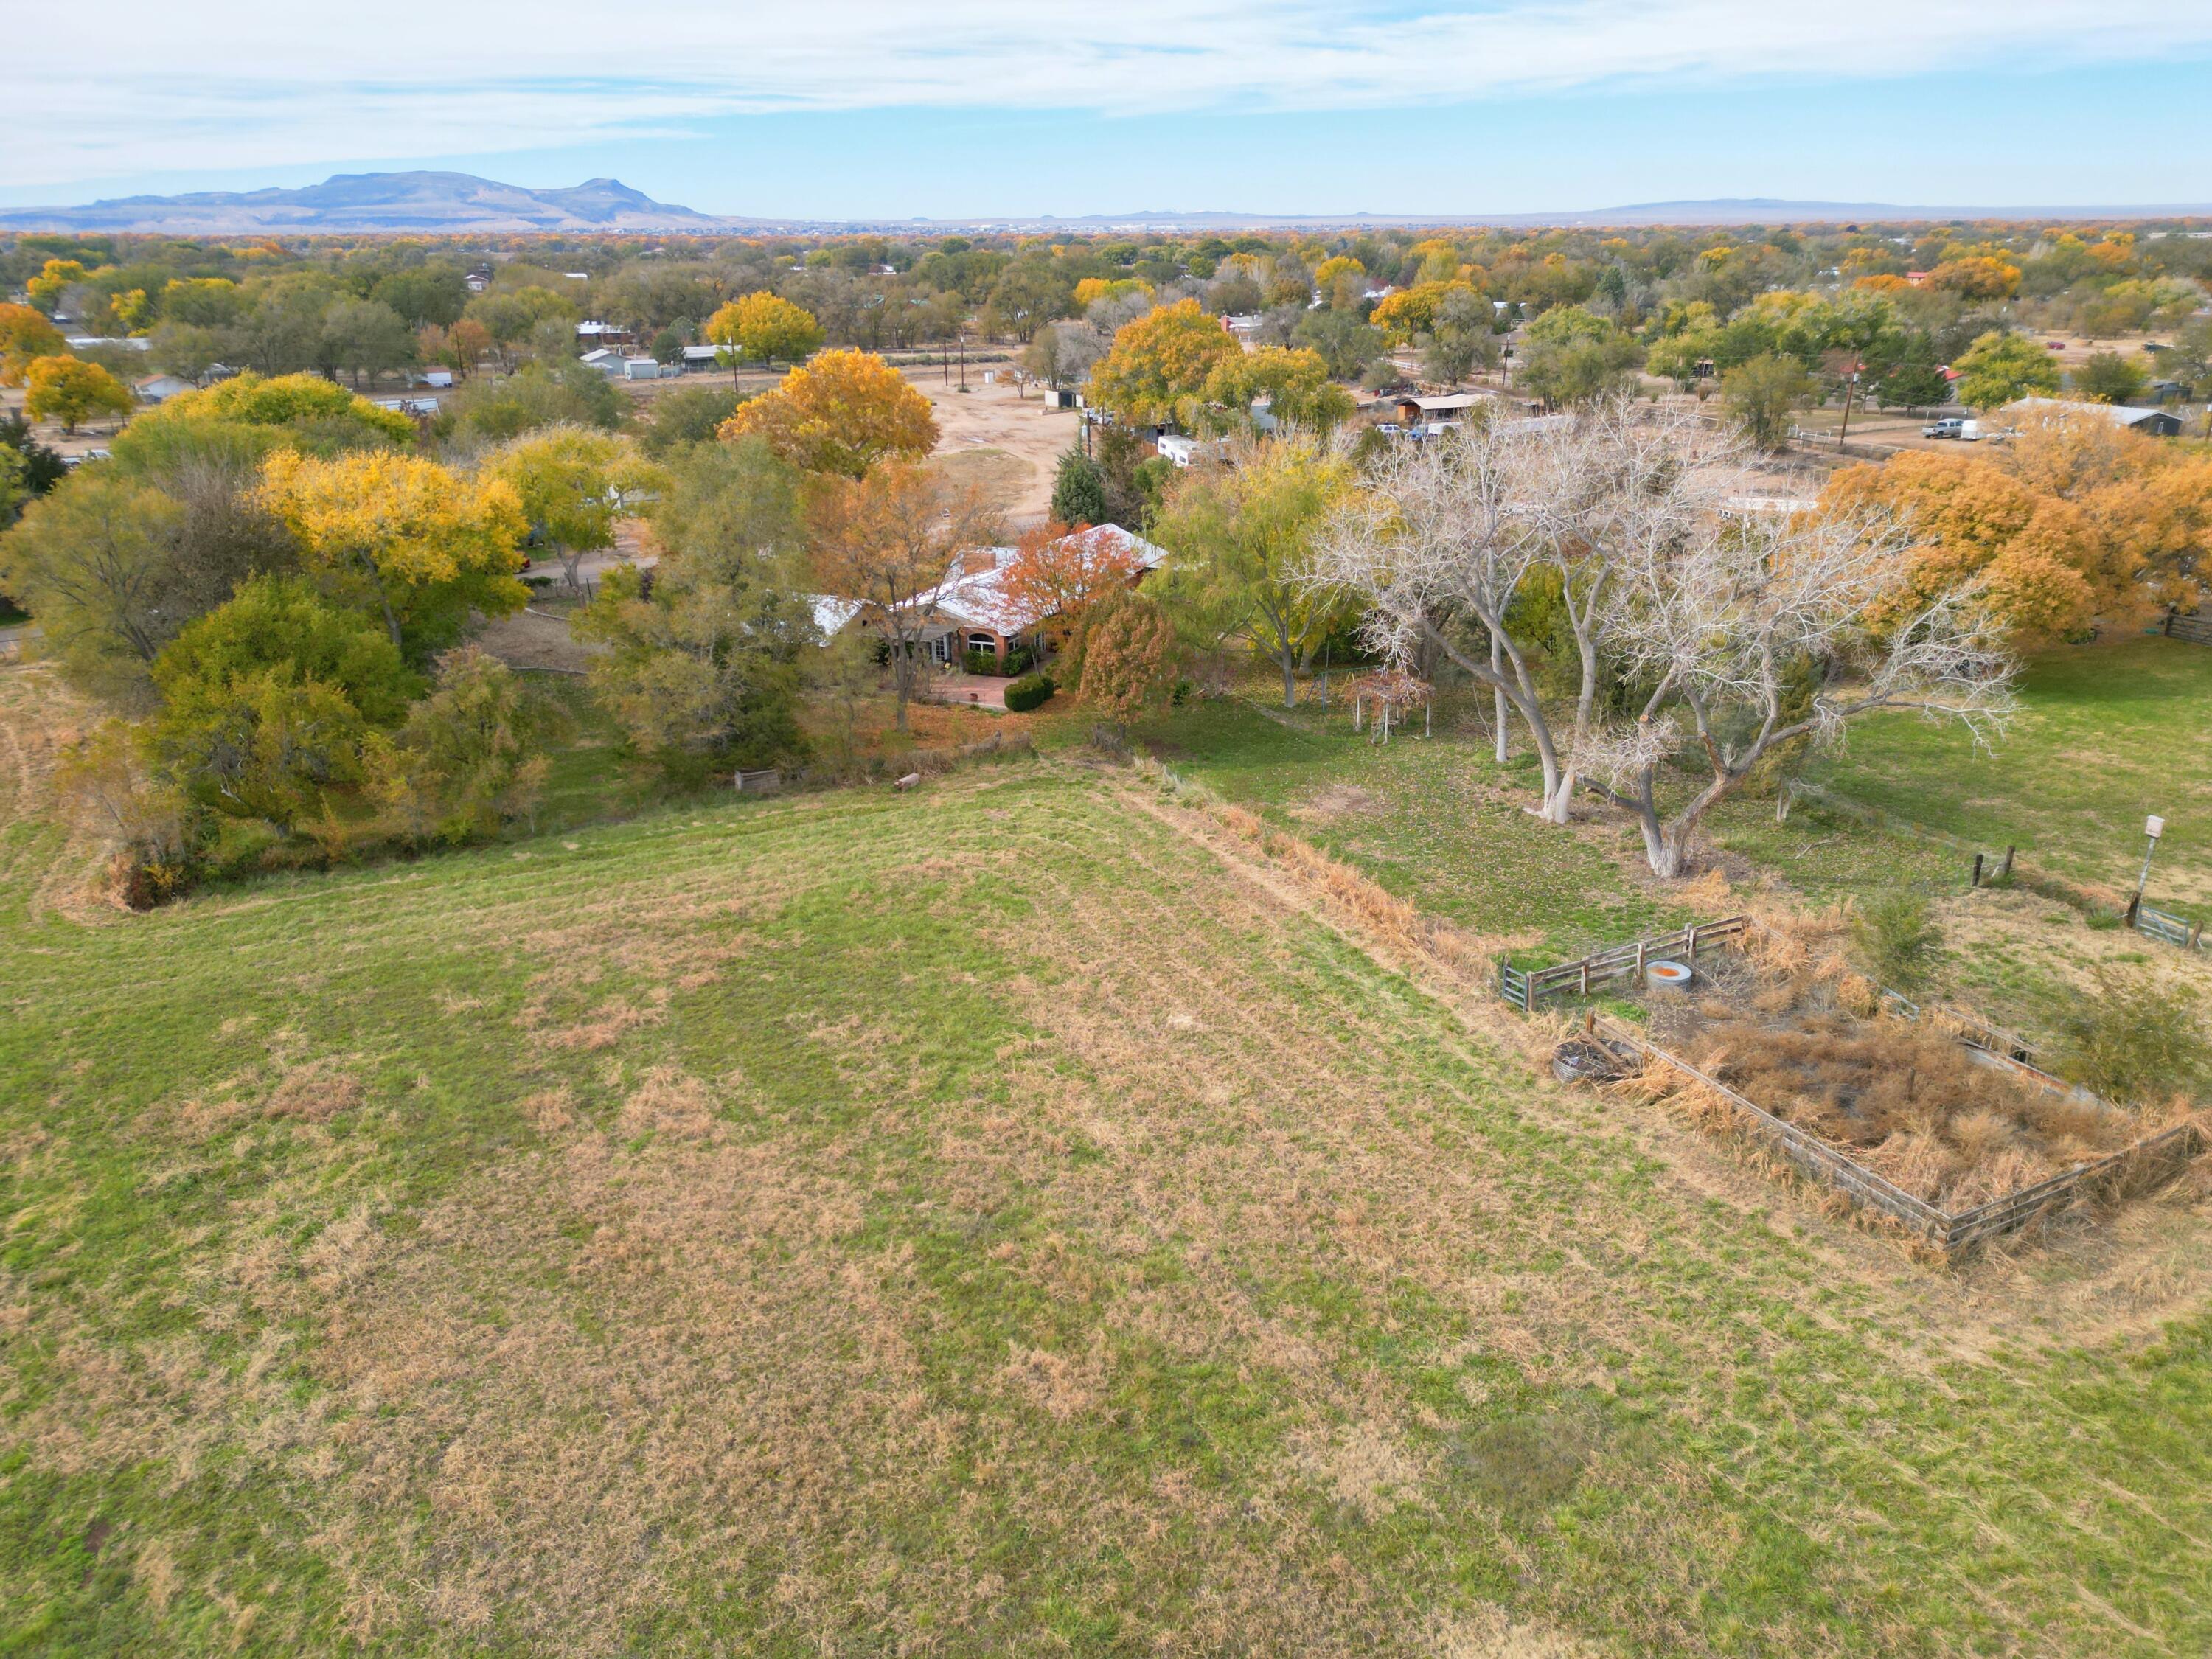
x=860, y=108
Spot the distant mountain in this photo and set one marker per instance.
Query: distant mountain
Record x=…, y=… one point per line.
x=447, y=203
x=425, y=202
x=1722, y=210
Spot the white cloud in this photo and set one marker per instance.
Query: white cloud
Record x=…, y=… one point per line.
x=248, y=84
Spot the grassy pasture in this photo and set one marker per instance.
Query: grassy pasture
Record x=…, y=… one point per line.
x=981, y=1221
x=2106, y=734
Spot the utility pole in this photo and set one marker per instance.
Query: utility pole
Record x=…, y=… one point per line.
x=1850, y=386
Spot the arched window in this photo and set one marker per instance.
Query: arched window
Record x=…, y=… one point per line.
x=983, y=642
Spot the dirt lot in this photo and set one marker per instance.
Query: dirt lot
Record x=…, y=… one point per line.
x=1008, y=443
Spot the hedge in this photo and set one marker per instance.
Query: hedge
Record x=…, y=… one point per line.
x=1028, y=692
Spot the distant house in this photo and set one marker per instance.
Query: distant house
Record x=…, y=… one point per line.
x=971, y=611
x=606, y=360
x=1439, y=413
x=641, y=368
x=1180, y=448
x=701, y=359
x=604, y=334
x=160, y=388
x=2156, y=423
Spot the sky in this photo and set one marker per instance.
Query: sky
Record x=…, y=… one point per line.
x=881, y=109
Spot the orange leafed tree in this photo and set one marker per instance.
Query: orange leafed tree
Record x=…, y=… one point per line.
x=1128, y=655
x=886, y=541
x=2072, y=522
x=840, y=415
x=1056, y=573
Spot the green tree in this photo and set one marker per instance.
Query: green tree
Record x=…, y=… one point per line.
x=469, y=757
x=268, y=700
x=1296, y=385
x=1999, y=368
x=494, y=411
x=1916, y=381
x=1078, y=490
x=1763, y=395
x=1242, y=536
x=569, y=480
x=688, y=415
x=92, y=561
x=2109, y=377
x=1347, y=344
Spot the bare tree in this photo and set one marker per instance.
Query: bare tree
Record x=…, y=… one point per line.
x=1737, y=636
x=1752, y=635
x=1436, y=546
x=1607, y=494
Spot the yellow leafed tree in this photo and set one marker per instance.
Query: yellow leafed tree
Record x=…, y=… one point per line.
x=762, y=327
x=841, y=414
x=1159, y=359
x=424, y=545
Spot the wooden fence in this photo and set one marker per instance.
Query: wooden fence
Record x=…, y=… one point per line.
x=1952, y=1233
x=1524, y=987
x=2197, y=630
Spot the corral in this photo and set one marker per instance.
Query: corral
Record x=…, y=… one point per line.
x=1927, y=1117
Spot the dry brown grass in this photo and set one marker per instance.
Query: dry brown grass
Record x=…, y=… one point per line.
x=1791, y=1027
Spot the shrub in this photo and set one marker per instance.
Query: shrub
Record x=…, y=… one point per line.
x=1028, y=692
x=1895, y=937
x=980, y=662
x=2134, y=1040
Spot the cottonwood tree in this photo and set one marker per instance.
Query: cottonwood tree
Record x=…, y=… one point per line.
x=421, y=544
x=1438, y=546
x=570, y=481
x=1726, y=628
x=887, y=542
x=66, y=389
x=840, y=415
x=1241, y=533
x=761, y=327
x=1452, y=530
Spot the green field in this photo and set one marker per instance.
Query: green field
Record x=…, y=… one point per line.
x=1433, y=820
x=2107, y=735
x=980, y=1221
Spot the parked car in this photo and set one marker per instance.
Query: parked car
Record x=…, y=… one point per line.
x=1953, y=427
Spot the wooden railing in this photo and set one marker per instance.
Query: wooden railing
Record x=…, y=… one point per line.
x=1524, y=988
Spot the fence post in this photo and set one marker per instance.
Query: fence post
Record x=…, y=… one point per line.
x=1977, y=881
x=1585, y=976
x=1692, y=952
x=2004, y=871
x=1639, y=962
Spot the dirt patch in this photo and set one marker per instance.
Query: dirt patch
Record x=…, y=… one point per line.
x=536, y=639
x=1339, y=801
x=1008, y=443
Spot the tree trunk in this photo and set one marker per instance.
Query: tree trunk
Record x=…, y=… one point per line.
x=1498, y=697
x=1290, y=678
